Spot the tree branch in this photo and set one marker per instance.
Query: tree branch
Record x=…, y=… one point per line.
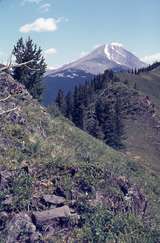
x=2, y=100
x=15, y=65
x=7, y=111
x=32, y=69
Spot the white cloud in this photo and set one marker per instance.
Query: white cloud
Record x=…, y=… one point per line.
x=45, y=7
x=53, y=67
x=50, y=51
x=152, y=58
x=41, y=25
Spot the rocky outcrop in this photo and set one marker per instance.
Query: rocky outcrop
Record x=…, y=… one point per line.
x=21, y=229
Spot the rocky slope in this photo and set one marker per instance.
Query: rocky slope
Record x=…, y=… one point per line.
x=58, y=184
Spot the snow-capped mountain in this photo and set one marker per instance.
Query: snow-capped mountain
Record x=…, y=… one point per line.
x=113, y=56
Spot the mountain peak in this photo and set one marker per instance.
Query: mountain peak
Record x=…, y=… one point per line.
x=111, y=56
x=116, y=44
x=116, y=53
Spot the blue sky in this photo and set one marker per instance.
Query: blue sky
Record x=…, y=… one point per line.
x=66, y=29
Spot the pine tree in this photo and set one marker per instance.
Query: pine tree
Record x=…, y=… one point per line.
x=69, y=105
x=135, y=86
x=118, y=124
x=97, y=131
x=61, y=102
x=77, y=114
x=108, y=125
x=30, y=75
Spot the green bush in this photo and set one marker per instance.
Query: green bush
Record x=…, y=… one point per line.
x=102, y=225
x=22, y=191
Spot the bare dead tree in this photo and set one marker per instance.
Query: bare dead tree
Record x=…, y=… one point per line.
x=8, y=67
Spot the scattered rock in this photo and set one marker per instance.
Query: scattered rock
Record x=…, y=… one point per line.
x=53, y=199
x=49, y=215
x=21, y=229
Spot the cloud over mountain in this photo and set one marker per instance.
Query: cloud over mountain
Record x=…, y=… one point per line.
x=41, y=25
x=151, y=58
x=50, y=51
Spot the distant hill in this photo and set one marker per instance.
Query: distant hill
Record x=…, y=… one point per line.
x=113, y=56
x=120, y=108
x=146, y=80
x=57, y=183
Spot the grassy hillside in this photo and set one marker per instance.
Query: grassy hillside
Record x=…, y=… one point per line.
x=108, y=197
x=92, y=107
x=147, y=82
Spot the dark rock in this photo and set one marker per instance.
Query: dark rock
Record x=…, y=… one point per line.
x=59, y=191
x=3, y=219
x=123, y=184
x=21, y=229
x=53, y=199
x=73, y=170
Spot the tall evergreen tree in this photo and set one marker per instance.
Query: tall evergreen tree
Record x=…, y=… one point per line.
x=77, y=114
x=61, y=102
x=108, y=124
x=118, y=122
x=69, y=105
x=30, y=75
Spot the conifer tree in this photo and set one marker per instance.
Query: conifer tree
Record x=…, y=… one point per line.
x=69, y=105
x=97, y=131
x=108, y=125
x=77, y=114
x=118, y=122
x=61, y=102
x=30, y=75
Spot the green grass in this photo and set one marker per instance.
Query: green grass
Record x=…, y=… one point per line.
x=52, y=146
x=148, y=82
